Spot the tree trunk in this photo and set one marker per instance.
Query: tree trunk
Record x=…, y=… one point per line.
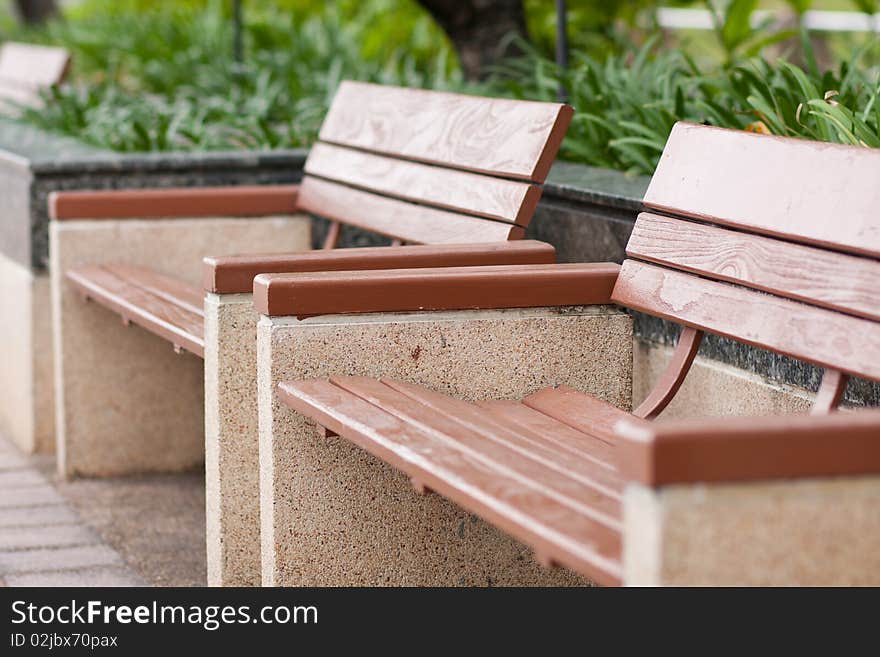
x=477, y=29
x=36, y=11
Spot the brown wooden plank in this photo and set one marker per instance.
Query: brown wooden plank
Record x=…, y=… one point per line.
x=33, y=66
x=824, y=278
x=512, y=138
x=235, y=274
x=526, y=512
x=441, y=420
x=409, y=222
x=447, y=288
x=799, y=189
x=543, y=429
x=579, y=410
x=460, y=191
x=171, y=289
x=817, y=335
x=494, y=425
x=183, y=328
x=243, y=201
x=751, y=448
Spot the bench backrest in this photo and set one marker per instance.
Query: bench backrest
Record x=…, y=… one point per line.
x=770, y=241
x=26, y=70
x=430, y=167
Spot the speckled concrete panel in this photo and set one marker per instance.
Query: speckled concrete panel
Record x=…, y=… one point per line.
x=714, y=389
x=232, y=495
x=332, y=514
x=125, y=402
x=811, y=532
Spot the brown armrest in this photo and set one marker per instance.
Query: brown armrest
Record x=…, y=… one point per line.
x=233, y=274
x=742, y=449
x=447, y=288
x=244, y=201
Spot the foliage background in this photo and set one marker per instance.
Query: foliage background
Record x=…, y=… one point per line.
x=160, y=75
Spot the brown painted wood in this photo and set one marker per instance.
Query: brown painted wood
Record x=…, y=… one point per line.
x=578, y=410
x=447, y=288
x=244, y=201
x=460, y=191
x=515, y=139
x=802, y=190
x=830, y=393
x=172, y=290
x=824, y=278
x=332, y=238
x=823, y=337
x=573, y=459
x=407, y=221
x=513, y=503
x=235, y=274
x=131, y=298
x=543, y=429
x=568, y=485
x=673, y=376
x=747, y=449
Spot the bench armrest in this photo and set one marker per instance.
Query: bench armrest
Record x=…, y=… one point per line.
x=742, y=449
x=232, y=201
x=446, y=288
x=235, y=274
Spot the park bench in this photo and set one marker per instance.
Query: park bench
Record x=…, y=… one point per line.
x=769, y=241
x=26, y=71
x=451, y=179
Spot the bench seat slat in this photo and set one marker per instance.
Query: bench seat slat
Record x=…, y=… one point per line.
x=824, y=278
x=556, y=531
x=170, y=289
x=460, y=191
x=124, y=292
x=406, y=221
x=823, y=337
x=469, y=427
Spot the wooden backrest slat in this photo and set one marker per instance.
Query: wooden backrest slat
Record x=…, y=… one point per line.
x=824, y=337
x=472, y=193
x=510, y=138
x=409, y=222
x=806, y=191
x=32, y=67
x=818, y=276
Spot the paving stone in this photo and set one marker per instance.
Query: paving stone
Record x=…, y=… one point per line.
x=34, y=561
x=105, y=576
x=30, y=496
x=12, y=461
x=20, y=479
x=24, y=538
x=38, y=516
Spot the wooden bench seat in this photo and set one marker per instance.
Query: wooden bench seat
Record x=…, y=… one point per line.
x=732, y=254
x=161, y=304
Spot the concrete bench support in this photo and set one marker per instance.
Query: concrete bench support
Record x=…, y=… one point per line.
x=332, y=514
x=26, y=405
x=807, y=532
x=126, y=402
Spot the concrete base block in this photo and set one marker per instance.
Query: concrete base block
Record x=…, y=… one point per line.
x=26, y=403
x=126, y=402
x=231, y=442
x=817, y=532
x=713, y=389
x=332, y=514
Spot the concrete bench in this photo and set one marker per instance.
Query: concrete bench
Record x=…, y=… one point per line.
x=26, y=71
x=453, y=177
x=769, y=241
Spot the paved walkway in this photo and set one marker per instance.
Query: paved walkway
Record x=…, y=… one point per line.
x=43, y=541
